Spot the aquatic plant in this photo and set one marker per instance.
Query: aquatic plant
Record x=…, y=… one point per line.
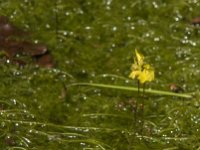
x=87, y=100
x=143, y=72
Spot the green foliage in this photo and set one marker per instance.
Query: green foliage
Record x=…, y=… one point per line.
x=93, y=41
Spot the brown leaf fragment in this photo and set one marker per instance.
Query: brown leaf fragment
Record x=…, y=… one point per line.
x=8, y=29
x=196, y=21
x=45, y=60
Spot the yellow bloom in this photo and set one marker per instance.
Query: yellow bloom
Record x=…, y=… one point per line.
x=142, y=72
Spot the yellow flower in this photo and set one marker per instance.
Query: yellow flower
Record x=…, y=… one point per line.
x=139, y=70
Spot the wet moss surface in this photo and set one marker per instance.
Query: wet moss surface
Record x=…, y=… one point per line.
x=94, y=41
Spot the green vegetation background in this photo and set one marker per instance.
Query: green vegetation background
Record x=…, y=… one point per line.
x=94, y=41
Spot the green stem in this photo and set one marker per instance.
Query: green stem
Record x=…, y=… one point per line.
x=136, y=106
x=128, y=88
x=142, y=108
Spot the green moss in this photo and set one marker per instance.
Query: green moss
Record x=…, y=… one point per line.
x=94, y=41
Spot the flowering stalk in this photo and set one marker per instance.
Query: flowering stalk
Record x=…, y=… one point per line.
x=143, y=73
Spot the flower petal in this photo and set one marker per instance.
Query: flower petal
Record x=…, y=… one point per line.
x=134, y=74
x=140, y=58
x=146, y=75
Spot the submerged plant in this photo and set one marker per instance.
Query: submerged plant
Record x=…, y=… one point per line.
x=143, y=72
